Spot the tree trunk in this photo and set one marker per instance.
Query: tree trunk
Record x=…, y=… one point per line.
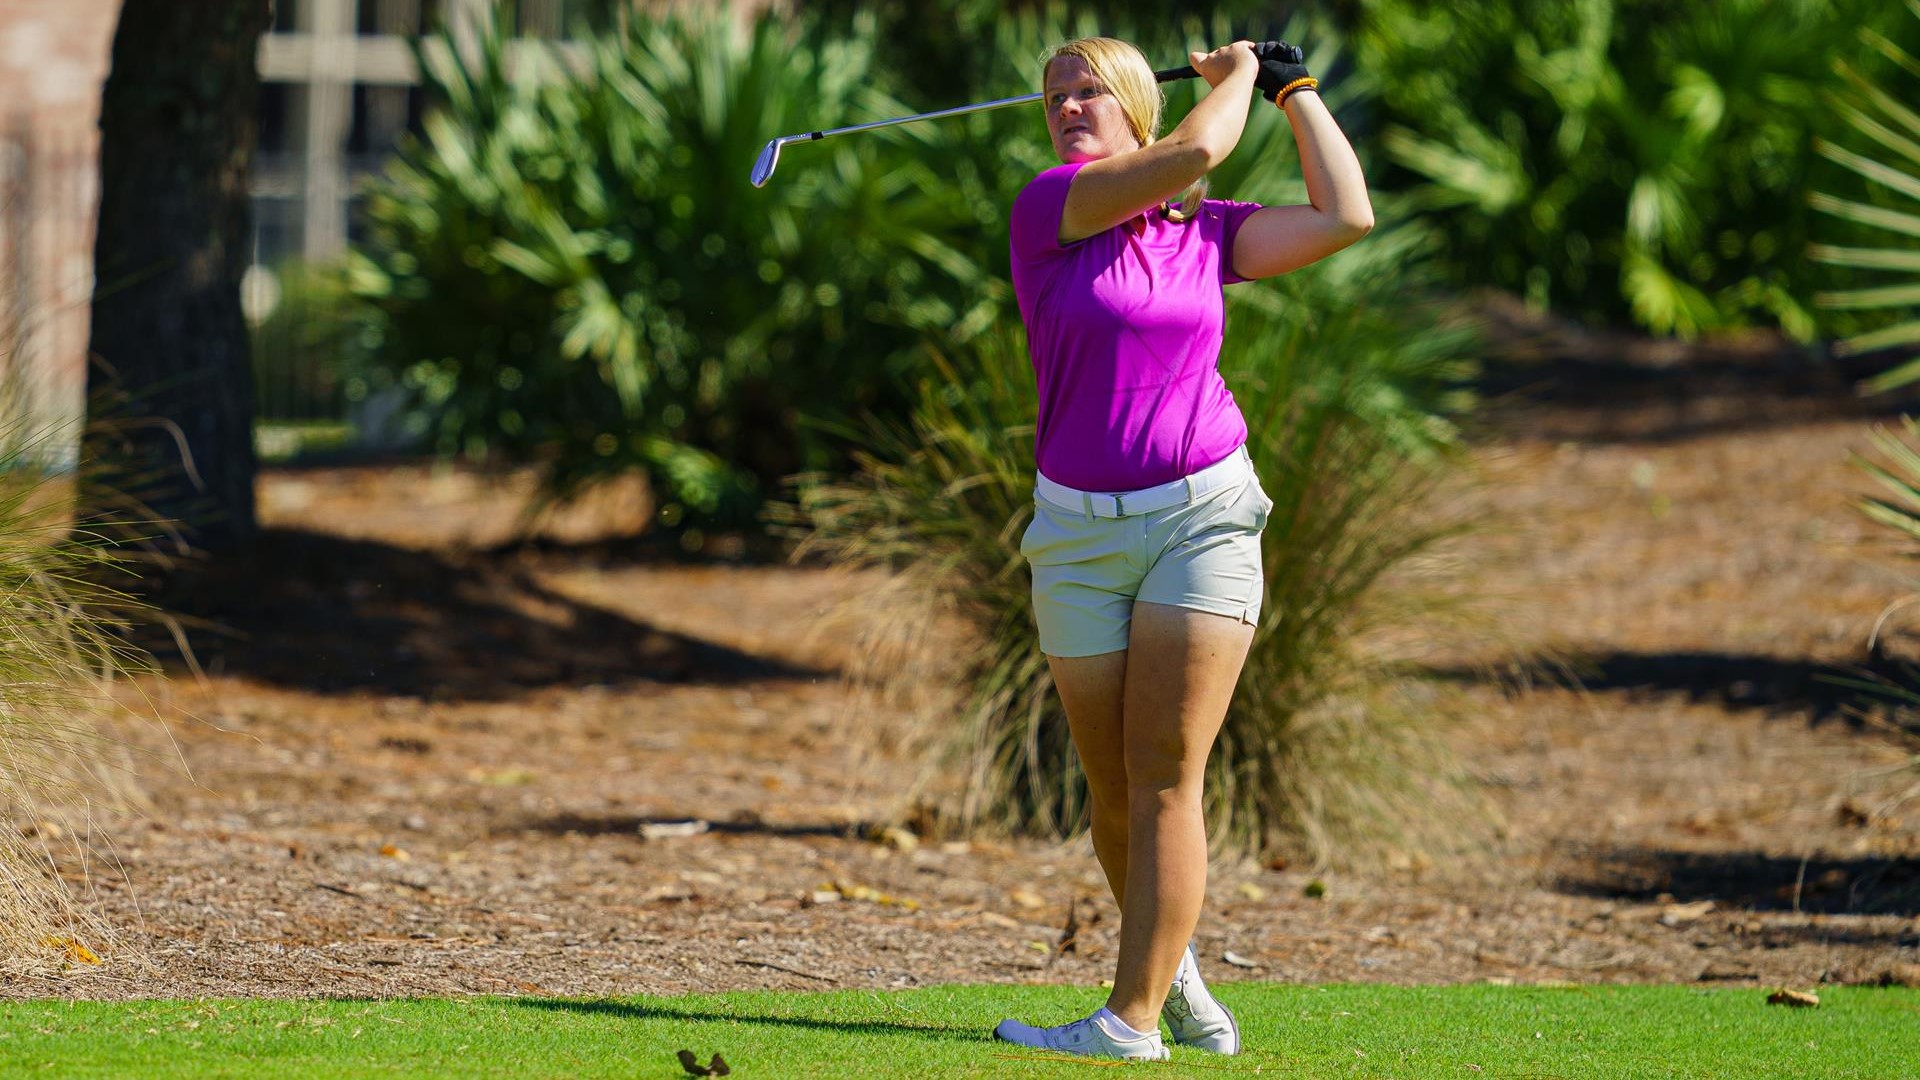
x=171, y=389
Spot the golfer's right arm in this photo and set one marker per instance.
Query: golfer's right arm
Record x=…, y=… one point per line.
x=1107, y=192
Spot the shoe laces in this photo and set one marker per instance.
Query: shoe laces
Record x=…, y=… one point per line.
x=1076, y=1032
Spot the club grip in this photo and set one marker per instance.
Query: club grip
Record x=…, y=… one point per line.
x=1293, y=54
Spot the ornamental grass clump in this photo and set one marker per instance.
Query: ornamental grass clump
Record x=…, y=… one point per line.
x=1330, y=749
x=62, y=651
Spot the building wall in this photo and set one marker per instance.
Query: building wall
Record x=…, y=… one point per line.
x=53, y=62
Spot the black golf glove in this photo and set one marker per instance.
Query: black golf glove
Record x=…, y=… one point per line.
x=1277, y=68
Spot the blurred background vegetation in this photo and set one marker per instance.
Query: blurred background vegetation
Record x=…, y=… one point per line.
x=566, y=266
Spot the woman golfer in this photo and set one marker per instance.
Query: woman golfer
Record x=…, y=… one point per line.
x=1145, y=541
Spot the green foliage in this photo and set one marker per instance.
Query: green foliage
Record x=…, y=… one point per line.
x=936, y=47
x=573, y=267
x=1892, y=189
x=1883, y=123
x=310, y=349
x=1617, y=160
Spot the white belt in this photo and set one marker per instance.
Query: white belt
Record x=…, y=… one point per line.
x=1235, y=468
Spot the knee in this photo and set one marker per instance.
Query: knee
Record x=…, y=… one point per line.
x=1157, y=768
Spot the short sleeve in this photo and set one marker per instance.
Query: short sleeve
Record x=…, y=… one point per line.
x=1231, y=215
x=1034, y=221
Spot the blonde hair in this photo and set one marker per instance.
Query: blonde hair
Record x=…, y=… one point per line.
x=1124, y=71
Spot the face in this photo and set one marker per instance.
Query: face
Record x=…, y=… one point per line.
x=1083, y=117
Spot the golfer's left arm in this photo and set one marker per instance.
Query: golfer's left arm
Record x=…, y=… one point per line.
x=1277, y=239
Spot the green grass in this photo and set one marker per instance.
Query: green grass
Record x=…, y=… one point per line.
x=1347, y=1031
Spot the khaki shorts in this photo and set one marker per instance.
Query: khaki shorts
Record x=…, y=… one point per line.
x=1202, y=552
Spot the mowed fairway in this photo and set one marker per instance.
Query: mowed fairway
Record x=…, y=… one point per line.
x=1348, y=1031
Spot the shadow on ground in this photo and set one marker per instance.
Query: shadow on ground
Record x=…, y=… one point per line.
x=638, y=824
x=1752, y=880
x=1820, y=691
x=1553, y=380
x=693, y=1011
x=333, y=615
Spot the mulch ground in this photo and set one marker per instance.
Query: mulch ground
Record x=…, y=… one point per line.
x=425, y=761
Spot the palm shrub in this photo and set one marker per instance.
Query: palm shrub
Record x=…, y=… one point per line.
x=1615, y=160
x=572, y=267
x=1881, y=119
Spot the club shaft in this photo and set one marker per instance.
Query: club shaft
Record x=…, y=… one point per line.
x=1169, y=75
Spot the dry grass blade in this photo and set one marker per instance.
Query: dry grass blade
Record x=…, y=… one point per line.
x=62, y=653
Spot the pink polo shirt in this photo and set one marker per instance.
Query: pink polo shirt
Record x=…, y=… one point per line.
x=1124, y=330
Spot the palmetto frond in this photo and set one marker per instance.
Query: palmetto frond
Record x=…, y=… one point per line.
x=1882, y=122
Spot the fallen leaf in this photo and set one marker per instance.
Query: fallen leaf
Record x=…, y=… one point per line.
x=865, y=894
x=1799, y=999
x=895, y=837
x=672, y=830
x=75, y=951
x=1251, y=891
x=511, y=776
x=1027, y=898
x=1039, y=947
x=392, y=852
x=1682, y=914
x=1237, y=960
x=1380, y=935
x=1314, y=890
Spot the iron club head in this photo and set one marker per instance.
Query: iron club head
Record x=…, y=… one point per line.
x=763, y=168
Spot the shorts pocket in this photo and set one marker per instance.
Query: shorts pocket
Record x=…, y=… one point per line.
x=1039, y=532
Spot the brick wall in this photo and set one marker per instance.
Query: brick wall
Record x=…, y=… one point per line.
x=53, y=60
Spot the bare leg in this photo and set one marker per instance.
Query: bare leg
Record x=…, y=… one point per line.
x=1179, y=681
x=1091, y=688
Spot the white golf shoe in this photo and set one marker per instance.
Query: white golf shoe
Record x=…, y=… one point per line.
x=1192, y=1014
x=1101, y=1035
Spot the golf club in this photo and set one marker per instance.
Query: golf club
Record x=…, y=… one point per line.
x=770, y=156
